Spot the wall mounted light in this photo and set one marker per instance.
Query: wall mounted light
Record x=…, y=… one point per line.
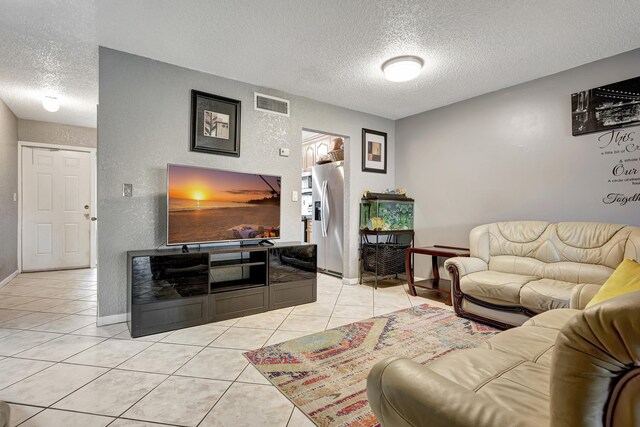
x=402, y=68
x=51, y=103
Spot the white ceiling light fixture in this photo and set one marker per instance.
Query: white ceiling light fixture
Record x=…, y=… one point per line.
x=51, y=103
x=402, y=68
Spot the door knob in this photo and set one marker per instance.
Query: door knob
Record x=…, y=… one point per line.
x=86, y=206
x=93, y=218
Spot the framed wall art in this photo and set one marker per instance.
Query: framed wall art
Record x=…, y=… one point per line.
x=215, y=124
x=606, y=107
x=374, y=151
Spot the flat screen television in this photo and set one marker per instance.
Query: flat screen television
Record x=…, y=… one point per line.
x=212, y=205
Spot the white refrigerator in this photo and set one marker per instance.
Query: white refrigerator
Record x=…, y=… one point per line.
x=328, y=216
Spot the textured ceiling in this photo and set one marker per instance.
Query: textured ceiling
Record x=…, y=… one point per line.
x=329, y=50
x=49, y=48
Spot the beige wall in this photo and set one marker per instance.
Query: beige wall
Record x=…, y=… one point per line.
x=136, y=143
x=510, y=155
x=54, y=133
x=8, y=187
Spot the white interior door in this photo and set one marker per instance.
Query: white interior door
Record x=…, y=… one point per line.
x=56, y=211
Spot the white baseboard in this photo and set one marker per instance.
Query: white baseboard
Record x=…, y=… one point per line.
x=110, y=320
x=9, y=278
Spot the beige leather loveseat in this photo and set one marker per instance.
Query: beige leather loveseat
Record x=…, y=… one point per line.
x=562, y=368
x=522, y=268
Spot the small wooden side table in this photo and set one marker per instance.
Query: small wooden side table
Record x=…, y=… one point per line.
x=436, y=284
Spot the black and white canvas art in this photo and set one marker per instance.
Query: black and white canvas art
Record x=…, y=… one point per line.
x=606, y=107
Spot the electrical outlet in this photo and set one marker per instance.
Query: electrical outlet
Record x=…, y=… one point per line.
x=127, y=190
x=284, y=152
x=294, y=196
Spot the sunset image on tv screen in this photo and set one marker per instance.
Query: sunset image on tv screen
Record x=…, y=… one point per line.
x=209, y=205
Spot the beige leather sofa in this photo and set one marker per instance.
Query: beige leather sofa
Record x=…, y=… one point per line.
x=521, y=268
x=561, y=368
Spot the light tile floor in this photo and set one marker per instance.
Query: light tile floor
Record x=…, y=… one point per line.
x=57, y=368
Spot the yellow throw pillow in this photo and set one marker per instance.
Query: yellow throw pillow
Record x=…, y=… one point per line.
x=625, y=279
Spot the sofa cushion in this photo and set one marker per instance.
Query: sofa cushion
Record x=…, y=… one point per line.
x=555, y=319
x=519, y=397
x=495, y=286
x=517, y=265
x=511, y=368
x=472, y=368
x=575, y=272
x=526, y=342
x=625, y=279
x=546, y=294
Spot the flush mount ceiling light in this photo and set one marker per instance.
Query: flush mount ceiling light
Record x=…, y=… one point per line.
x=402, y=68
x=51, y=103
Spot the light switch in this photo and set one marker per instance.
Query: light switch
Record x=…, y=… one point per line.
x=294, y=196
x=127, y=190
x=284, y=152
x=15, y=197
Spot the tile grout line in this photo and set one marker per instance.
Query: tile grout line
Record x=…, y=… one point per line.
x=169, y=376
x=291, y=414
x=160, y=341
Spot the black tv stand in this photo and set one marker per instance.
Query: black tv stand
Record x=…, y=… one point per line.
x=185, y=249
x=266, y=242
x=170, y=289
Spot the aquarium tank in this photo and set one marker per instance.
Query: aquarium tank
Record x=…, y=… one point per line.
x=386, y=212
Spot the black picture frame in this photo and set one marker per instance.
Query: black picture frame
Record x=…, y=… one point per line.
x=606, y=107
x=215, y=124
x=374, y=151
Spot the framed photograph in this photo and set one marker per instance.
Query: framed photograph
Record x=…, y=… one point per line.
x=215, y=124
x=374, y=151
x=606, y=107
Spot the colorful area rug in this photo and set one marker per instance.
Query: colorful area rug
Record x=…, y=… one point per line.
x=325, y=374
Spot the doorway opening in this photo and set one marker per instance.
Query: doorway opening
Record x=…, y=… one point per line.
x=57, y=209
x=322, y=201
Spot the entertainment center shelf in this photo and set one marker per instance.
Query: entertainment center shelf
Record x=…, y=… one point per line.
x=240, y=263
x=169, y=289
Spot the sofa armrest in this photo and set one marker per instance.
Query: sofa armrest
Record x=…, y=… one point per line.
x=457, y=268
x=582, y=294
x=465, y=265
x=403, y=393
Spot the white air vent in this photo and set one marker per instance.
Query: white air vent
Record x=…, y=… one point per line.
x=271, y=104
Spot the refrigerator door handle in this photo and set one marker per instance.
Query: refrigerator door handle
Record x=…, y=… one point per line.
x=327, y=208
x=322, y=219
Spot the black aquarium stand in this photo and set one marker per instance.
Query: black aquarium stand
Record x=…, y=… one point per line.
x=382, y=253
x=170, y=289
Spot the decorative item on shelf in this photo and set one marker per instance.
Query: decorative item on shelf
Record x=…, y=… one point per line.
x=337, y=143
x=376, y=223
x=324, y=159
x=374, y=151
x=337, y=149
x=215, y=124
x=396, y=192
x=336, y=155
